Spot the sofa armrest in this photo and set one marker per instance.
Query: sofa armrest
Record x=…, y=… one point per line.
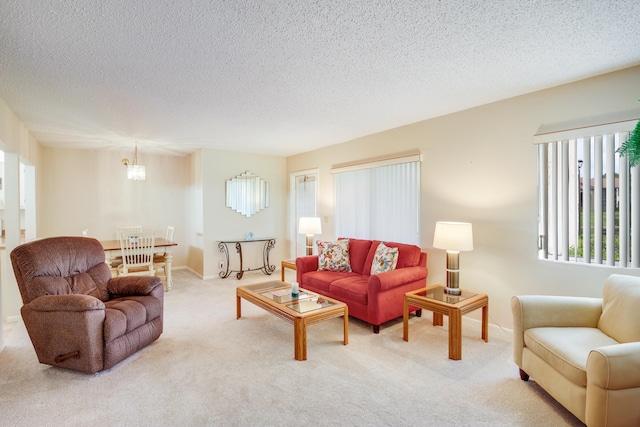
x=77, y=302
x=395, y=278
x=613, y=385
x=305, y=264
x=535, y=311
x=133, y=285
x=615, y=367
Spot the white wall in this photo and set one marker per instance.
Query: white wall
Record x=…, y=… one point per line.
x=479, y=165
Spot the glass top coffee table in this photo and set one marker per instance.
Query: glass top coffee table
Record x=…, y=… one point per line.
x=435, y=299
x=307, y=309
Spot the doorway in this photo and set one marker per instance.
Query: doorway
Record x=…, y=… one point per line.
x=304, y=203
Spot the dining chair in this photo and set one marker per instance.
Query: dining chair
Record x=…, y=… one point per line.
x=159, y=259
x=137, y=254
x=129, y=230
x=116, y=261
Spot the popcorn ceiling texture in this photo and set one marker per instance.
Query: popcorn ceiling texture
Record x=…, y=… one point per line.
x=284, y=76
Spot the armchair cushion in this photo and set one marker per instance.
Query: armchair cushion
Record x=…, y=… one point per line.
x=567, y=349
x=621, y=309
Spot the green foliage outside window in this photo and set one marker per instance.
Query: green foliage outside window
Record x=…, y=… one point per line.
x=631, y=147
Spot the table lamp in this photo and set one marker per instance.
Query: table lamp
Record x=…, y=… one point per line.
x=309, y=226
x=454, y=237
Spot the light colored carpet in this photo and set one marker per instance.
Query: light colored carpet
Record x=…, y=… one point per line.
x=208, y=368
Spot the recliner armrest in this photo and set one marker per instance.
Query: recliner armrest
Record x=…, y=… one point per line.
x=133, y=285
x=71, y=302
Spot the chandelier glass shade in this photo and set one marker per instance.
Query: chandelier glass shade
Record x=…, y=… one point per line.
x=135, y=171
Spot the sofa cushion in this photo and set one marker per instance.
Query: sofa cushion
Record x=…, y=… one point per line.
x=350, y=289
x=408, y=255
x=320, y=280
x=620, y=317
x=566, y=349
x=358, y=252
x=334, y=256
x=384, y=259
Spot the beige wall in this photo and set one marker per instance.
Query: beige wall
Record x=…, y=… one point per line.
x=80, y=189
x=194, y=238
x=19, y=146
x=222, y=223
x=479, y=165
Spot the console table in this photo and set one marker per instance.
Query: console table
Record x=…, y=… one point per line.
x=266, y=268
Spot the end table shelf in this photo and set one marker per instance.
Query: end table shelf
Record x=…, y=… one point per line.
x=433, y=298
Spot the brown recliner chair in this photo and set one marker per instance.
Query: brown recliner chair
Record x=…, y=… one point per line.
x=78, y=316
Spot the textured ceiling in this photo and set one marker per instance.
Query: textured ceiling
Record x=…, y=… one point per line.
x=287, y=76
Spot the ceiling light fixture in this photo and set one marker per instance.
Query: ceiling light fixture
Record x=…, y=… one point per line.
x=134, y=171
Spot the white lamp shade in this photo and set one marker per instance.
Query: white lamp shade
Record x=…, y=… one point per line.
x=453, y=236
x=309, y=225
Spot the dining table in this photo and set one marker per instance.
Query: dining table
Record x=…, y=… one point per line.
x=162, y=246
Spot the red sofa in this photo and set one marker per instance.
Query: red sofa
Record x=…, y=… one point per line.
x=373, y=298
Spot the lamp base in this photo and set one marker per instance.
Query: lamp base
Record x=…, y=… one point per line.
x=309, y=244
x=453, y=291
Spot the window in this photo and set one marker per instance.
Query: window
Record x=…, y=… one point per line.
x=379, y=200
x=588, y=197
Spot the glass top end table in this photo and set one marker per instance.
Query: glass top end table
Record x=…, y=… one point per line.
x=435, y=299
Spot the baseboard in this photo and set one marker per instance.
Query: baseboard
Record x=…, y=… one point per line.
x=12, y=319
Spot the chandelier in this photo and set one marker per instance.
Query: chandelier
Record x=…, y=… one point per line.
x=134, y=170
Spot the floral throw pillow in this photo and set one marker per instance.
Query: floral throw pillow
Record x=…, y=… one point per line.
x=334, y=256
x=385, y=259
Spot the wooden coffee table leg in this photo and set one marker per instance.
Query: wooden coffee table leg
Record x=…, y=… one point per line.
x=346, y=325
x=238, y=307
x=455, y=334
x=405, y=321
x=299, y=339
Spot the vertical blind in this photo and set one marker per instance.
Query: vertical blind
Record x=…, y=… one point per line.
x=379, y=202
x=588, y=197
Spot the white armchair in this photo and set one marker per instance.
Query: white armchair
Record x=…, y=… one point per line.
x=585, y=352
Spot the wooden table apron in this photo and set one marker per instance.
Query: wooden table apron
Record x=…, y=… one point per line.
x=300, y=321
x=454, y=312
x=112, y=249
